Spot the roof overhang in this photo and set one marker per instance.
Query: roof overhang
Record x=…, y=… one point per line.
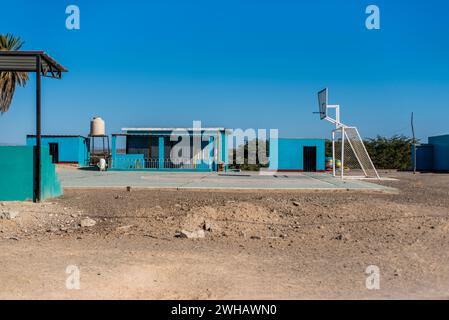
x=26, y=61
x=57, y=136
x=171, y=129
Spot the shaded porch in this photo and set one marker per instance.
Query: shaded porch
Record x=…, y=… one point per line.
x=159, y=151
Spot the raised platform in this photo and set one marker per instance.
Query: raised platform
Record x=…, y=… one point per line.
x=212, y=180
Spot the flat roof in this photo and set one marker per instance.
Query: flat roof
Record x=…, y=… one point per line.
x=440, y=136
x=173, y=129
x=57, y=136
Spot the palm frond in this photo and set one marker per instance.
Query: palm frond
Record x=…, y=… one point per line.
x=9, y=80
x=9, y=42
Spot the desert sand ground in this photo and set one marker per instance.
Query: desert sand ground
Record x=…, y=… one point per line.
x=259, y=245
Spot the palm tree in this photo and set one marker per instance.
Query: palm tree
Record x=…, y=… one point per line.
x=9, y=80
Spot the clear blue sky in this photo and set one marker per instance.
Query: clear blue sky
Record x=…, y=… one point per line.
x=237, y=64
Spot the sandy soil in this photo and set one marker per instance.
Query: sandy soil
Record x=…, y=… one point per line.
x=260, y=245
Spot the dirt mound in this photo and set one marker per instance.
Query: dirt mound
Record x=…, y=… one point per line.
x=241, y=219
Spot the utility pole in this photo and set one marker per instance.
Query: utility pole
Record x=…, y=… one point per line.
x=414, y=145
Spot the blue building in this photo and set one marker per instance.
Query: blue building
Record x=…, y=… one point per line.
x=297, y=155
x=72, y=149
x=433, y=156
x=170, y=149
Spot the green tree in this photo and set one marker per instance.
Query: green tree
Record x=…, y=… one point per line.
x=386, y=153
x=10, y=80
x=248, y=147
x=390, y=153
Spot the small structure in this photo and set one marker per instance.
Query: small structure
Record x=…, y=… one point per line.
x=66, y=149
x=170, y=149
x=297, y=155
x=433, y=156
x=43, y=66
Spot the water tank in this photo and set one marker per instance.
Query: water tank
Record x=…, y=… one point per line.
x=97, y=127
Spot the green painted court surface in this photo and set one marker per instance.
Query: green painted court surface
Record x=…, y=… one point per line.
x=157, y=180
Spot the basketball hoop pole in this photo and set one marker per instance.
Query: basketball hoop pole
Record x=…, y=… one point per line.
x=333, y=154
x=335, y=121
x=338, y=126
x=342, y=161
x=350, y=138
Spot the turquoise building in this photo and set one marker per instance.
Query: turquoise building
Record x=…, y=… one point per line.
x=433, y=156
x=170, y=149
x=72, y=149
x=297, y=155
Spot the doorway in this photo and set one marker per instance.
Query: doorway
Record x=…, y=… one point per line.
x=54, y=152
x=309, y=162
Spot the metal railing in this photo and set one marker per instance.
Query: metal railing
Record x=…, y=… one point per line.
x=152, y=163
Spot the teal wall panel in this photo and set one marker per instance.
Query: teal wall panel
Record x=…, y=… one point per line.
x=440, y=152
x=424, y=157
x=17, y=174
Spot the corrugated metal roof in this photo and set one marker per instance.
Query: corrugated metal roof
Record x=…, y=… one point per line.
x=26, y=61
x=17, y=63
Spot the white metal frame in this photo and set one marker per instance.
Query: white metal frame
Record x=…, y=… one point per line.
x=339, y=126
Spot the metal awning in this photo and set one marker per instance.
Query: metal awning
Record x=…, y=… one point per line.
x=26, y=61
x=43, y=65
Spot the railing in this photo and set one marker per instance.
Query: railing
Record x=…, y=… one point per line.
x=136, y=162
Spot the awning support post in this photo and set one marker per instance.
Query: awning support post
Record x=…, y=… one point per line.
x=38, y=175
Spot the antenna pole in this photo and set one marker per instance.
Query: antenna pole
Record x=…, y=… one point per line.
x=414, y=144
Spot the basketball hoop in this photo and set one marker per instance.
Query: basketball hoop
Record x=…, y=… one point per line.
x=354, y=156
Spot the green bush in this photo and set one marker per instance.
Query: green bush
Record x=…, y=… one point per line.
x=390, y=153
x=386, y=153
x=249, y=146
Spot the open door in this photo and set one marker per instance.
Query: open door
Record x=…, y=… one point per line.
x=54, y=152
x=309, y=164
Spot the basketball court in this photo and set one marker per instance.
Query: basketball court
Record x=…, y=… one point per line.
x=212, y=180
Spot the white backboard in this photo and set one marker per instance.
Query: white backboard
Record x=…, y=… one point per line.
x=323, y=102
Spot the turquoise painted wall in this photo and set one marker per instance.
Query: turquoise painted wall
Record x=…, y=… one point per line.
x=290, y=153
x=17, y=174
x=440, y=152
x=128, y=161
x=424, y=157
x=71, y=149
